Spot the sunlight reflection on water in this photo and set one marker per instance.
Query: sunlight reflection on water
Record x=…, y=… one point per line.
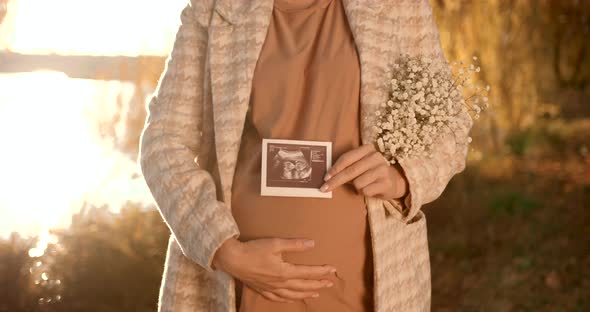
x=52, y=156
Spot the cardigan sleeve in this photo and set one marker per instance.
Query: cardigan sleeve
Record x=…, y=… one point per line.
x=428, y=177
x=185, y=194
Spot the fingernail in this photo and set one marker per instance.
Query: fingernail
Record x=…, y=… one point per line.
x=327, y=176
x=333, y=270
x=315, y=295
x=324, y=187
x=309, y=243
x=330, y=284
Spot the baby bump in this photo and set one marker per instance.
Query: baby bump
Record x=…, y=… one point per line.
x=337, y=224
x=339, y=227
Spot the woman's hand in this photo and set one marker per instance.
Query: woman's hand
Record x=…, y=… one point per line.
x=369, y=172
x=259, y=265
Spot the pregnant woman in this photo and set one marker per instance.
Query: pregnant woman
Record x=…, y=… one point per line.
x=241, y=71
x=305, y=87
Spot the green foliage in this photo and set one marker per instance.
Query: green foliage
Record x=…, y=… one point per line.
x=551, y=138
x=513, y=203
x=102, y=262
x=568, y=136
x=524, y=263
x=519, y=142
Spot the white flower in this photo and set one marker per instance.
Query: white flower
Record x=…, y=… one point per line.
x=423, y=104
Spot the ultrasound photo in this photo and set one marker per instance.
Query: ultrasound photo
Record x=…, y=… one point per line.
x=294, y=167
x=290, y=164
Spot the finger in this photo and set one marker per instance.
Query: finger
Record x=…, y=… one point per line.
x=273, y=297
x=295, y=295
x=348, y=158
x=292, y=244
x=292, y=271
x=304, y=284
x=370, y=176
x=374, y=189
x=351, y=172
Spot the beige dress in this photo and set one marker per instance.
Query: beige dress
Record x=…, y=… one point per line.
x=306, y=87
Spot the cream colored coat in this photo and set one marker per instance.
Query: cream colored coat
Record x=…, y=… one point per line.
x=190, y=143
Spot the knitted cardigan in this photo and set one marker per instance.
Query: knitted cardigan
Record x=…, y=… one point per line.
x=191, y=137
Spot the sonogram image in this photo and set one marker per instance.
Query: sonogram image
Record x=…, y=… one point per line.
x=292, y=164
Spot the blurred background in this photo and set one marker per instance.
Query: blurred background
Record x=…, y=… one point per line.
x=78, y=227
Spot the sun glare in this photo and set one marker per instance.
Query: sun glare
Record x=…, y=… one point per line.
x=52, y=158
x=106, y=27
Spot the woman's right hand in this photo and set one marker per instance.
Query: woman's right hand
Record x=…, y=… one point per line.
x=259, y=264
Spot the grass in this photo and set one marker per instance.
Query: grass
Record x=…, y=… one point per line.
x=512, y=242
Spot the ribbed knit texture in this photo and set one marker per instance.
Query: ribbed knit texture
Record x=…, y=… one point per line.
x=190, y=143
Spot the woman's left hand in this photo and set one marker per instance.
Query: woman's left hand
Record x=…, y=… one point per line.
x=369, y=172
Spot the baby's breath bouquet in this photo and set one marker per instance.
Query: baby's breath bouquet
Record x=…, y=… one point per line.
x=424, y=102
